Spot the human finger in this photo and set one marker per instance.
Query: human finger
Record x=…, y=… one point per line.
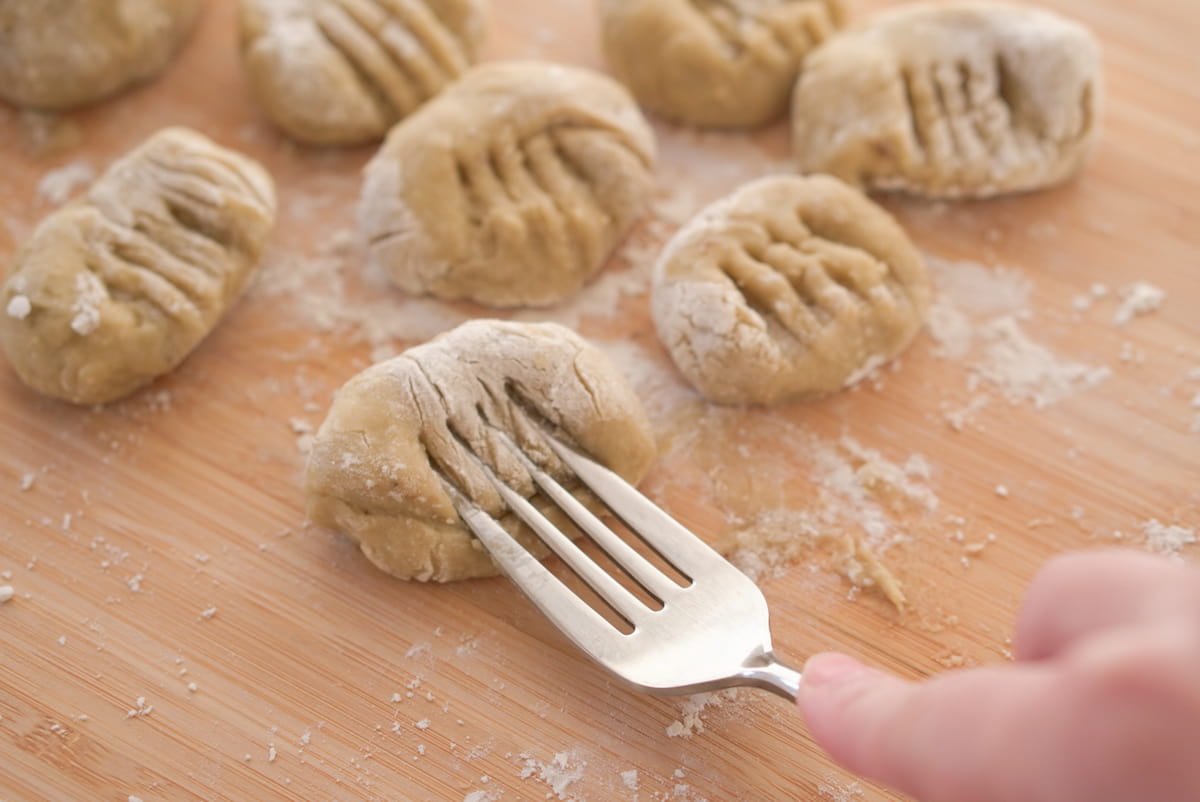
x=1078, y=594
x=964, y=736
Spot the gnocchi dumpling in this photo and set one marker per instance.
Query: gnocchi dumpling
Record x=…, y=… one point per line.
x=66, y=53
x=789, y=289
x=398, y=433
x=967, y=99
x=342, y=72
x=714, y=63
x=511, y=188
x=119, y=286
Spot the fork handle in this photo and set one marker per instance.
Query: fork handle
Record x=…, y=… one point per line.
x=770, y=674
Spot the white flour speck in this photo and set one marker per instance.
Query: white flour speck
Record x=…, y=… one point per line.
x=19, y=307
x=1139, y=298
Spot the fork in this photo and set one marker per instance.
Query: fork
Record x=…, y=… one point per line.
x=710, y=633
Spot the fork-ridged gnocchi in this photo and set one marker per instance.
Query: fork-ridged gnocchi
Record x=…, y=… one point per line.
x=511, y=188
x=969, y=99
x=118, y=287
x=789, y=289
x=402, y=430
x=59, y=54
x=340, y=72
x=715, y=63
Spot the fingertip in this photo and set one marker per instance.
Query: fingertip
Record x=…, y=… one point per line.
x=829, y=668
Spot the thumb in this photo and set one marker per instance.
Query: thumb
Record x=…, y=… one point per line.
x=844, y=702
x=961, y=736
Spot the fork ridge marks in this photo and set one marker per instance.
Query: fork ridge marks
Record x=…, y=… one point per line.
x=512, y=188
x=966, y=99
x=402, y=430
x=123, y=283
x=715, y=63
x=343, y=71
x=788, y=289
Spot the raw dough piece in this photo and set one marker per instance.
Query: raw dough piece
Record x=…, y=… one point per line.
x=376, y=463
x=511, y=188
x=342, y=72
x=789, y=289
x=953, y=100
x=714, y=63
x=119, y=286
x=57, y=54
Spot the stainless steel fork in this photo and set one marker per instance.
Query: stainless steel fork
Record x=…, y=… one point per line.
x=710, y=633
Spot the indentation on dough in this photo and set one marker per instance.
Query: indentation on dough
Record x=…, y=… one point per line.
x=141, y=270
x=537, y=180
x=972, y=116
x=773, y=295
x=915, y=127
x=400, y=51
x=734, y=22
x=383, y=77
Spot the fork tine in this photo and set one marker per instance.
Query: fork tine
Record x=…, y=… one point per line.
x=625, y=603
x=568, y=612
x=673, y=541
x=642, y=570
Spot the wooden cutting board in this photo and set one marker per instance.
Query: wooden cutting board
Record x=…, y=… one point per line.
x=177, y=632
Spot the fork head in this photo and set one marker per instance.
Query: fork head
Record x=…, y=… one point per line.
x=706, y=632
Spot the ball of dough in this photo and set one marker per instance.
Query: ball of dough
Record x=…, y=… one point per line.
x=342, y=72
x=57, y=54
x=789, y=289
x=511, y=188
x=392, y=437
x=954, y=100
x=118, y=287
x=714, y=63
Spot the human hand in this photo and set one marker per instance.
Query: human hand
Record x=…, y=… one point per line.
x=1101, y=705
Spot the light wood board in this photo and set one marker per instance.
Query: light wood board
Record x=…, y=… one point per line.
x=185, y=498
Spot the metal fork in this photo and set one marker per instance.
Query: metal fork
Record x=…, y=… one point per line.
x=712, y=633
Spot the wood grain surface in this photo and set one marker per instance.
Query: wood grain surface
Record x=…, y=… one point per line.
x=178, y=632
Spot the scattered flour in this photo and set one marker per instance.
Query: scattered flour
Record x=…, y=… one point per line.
x=89, y=294
x=560, y=773
x=950, y=329
x=976, y=317
x=1025, y=371
x=979, y=290
x=6, y=593
x=490, y=795
x=19, y=307
x=1164, y=539
x=690, y=722
x=1139, y=298
x=58, y=185
x=834, y=790
x=859, y=495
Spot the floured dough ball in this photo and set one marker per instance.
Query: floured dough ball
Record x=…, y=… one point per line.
x=951, y=100
x=342, y=72
x=789, y=289
x=119, y=286
x=714, y=63
x=57, y=54
x=511, y=188
x=377, y=463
